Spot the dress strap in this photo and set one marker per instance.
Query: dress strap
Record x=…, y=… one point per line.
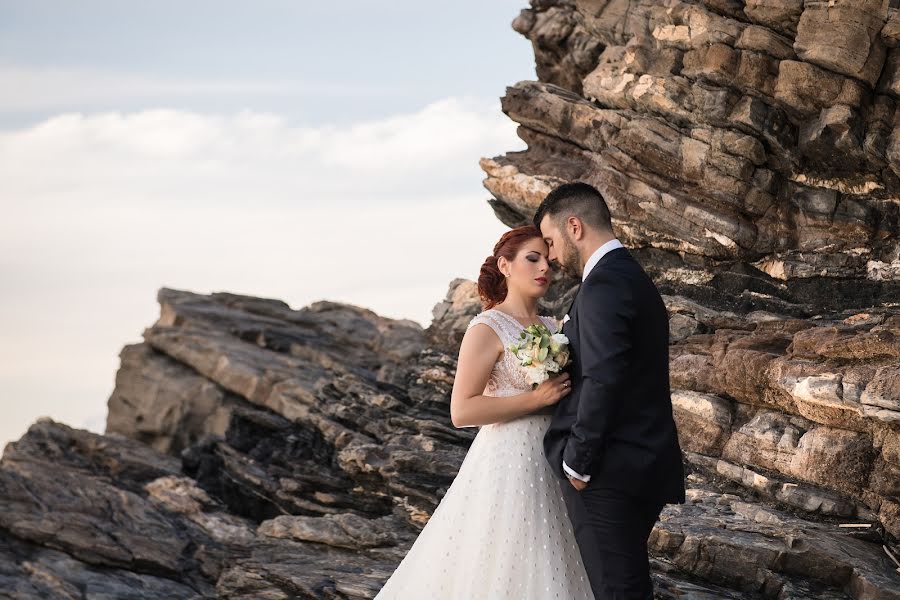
x=501, y=326
x=506, y=327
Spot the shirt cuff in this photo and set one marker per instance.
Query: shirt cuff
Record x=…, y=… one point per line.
x=578, y=476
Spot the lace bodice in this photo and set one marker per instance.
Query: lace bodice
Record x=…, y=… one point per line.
x=507, y=377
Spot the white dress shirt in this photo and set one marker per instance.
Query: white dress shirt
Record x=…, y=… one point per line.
x=590, y=264
x=598, y=254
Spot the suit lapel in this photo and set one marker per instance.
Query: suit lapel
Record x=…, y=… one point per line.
x=612, y=254
x=570, y=328
x=572, y=305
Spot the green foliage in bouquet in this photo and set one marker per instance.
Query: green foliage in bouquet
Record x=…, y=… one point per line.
x=541, y=352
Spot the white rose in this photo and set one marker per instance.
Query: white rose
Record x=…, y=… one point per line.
x=537, y=374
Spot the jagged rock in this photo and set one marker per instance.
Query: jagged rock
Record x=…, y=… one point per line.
x=843, y=36
x=323, y=502
x=800, y=431
x=767, y=440
x=176, y=408
x=780, y=15
x=758, y=550
x=343, y=530
x=30, y=572
x=704, y=421
x=564, y=51
x=715, y=137
x=69, y=490
x=453, y=315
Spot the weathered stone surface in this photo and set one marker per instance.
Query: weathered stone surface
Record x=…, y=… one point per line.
x=452, y=316
x=757, y=549
x=768, y=440
x=716, y=137
x=60, y=490
x=161, y=402
x=837, y=459
x=325, y=500
x=343, y=530
x=704, y=421
x=843, y=36
x=29, y=572
x=564, y=51
x=779, y=15
x=804, y=430
x=810, y=499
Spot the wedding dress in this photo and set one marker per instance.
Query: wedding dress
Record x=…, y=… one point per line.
x=501, y=530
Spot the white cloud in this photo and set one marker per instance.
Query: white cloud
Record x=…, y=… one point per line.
x=415, y=157
x=59, y=88
x=102, y=210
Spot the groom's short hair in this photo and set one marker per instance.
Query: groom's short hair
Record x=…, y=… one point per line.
x=576, y=199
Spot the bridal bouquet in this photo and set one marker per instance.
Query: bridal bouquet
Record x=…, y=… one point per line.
x=540, y=352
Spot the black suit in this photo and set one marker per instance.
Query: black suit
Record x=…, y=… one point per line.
x=616, y=425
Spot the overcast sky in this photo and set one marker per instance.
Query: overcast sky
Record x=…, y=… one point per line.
x=292, y=150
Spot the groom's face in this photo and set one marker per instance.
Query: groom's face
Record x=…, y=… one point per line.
x=561, y=249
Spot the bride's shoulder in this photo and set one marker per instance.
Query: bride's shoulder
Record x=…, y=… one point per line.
x=487, y=317
x=491, y=334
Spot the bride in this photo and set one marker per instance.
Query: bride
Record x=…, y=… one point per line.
x=501, y=530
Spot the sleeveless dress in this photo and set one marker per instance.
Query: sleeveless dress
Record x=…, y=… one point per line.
x=501, y=530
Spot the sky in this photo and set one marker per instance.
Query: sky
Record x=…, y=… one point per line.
x=282, y=149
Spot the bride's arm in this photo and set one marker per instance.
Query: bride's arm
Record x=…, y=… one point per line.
x=469, y=406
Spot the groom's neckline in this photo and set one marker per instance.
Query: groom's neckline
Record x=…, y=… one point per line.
x=613, y=254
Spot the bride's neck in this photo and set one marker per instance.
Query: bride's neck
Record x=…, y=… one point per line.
x=519, y=306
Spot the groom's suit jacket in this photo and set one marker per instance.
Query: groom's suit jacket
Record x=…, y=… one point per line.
x=616, y=424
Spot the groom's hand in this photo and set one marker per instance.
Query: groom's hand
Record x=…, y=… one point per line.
x=577, y=483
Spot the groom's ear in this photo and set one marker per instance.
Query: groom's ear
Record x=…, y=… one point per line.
x=575, y=228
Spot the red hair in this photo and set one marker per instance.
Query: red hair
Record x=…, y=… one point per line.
x=491, y=282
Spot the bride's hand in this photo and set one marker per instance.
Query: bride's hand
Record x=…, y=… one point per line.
x=552, y=391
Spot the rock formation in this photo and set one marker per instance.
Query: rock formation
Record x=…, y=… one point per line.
x=750, y=156
x=750, y=160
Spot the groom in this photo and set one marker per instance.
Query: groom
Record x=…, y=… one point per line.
x=612, y=440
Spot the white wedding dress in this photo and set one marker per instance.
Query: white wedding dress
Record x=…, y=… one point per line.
x=501, y=530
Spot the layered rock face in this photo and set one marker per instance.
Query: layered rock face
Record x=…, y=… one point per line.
x=729, y=136
x=258, y=451
x=747, y=150
x=296, y=455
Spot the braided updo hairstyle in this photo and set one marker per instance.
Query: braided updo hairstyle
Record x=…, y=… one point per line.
x=491, y=282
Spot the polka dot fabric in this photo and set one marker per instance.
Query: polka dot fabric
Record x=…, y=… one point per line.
x=502, y=530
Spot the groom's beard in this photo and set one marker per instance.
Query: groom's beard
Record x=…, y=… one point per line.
x=571, y=260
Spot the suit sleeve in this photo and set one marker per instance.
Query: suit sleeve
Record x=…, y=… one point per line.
x=604, y=318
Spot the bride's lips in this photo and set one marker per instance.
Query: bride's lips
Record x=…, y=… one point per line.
x=541, y=280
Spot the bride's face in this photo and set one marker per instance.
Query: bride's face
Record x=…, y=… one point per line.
x=529, y=271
